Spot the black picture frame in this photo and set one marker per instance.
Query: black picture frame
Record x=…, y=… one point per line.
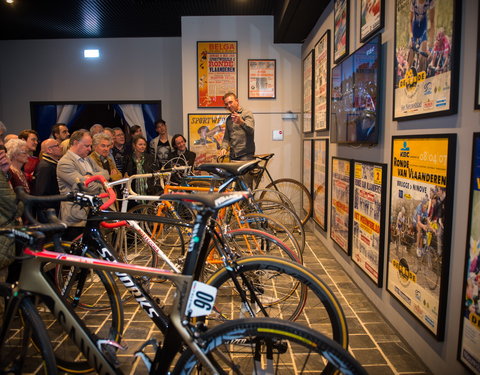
x=307, y=170
x=341, y=203
x=369, y=191
x=477, y=75
x=262, y=78
x=308, y=92
x=425, y=84
x=321, y=72
x=320, y=182
x=375, y=13
x=341, y=30
x=421, y=191
x=468, y=339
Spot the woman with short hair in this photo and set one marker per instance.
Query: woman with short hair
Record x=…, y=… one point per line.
x=17, y=152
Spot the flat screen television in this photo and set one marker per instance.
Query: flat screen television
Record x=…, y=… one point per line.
x=354, y=102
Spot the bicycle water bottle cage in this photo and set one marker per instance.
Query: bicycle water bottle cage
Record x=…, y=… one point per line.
x=227, y=170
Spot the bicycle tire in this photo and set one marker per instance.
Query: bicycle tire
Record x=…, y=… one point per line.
x=290, y=289
x=270, y=225
x=431, y=268
x=100, y=296
x=245, y=345
x=287, y=217
x=273, y=195
x=297, y=193
x=246, y=242
x=26, y=338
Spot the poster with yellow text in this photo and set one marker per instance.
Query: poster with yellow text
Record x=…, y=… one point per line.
x=205, y=135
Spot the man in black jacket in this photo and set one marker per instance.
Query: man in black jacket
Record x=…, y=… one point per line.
x=46, y=175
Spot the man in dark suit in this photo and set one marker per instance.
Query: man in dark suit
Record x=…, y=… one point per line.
x=46, y=176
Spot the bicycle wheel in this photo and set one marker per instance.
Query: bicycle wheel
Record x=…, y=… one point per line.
x=431, y=268
x=298, y=195
x=273, y=195
x=278, y=288
x=269, y=346
x=246, y=242
x=27, y=347
x=95, y=298
x=272, y=226
x=286, y=216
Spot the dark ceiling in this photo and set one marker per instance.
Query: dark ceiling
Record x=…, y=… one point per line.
x=66, y=19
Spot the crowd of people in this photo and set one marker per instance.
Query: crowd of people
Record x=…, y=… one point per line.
x=66, y=159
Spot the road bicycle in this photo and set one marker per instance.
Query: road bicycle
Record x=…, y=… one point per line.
x=280, y=281
x=296, y=192
x=268, y=341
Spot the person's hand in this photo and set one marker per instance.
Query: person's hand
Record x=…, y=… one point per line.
x=236, y=118
x=4, y=161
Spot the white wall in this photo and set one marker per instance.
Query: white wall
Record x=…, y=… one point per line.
x=440, y=357
x=254, y=35
x=55, y=70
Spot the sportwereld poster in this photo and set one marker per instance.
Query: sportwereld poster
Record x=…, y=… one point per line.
x=469, y=350
x=205, y=136
x=420, y=225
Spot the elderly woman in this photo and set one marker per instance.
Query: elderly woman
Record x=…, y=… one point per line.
x=18, y=152
x=101, y=145
x=140, y=162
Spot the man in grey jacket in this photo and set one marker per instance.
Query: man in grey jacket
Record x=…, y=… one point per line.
x=74, y=167
x=239, y=131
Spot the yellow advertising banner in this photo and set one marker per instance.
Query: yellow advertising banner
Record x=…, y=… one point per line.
x=205, y=135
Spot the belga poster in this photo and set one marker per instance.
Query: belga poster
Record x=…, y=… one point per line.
x=205, y=135
x=216, y=72
x=420, y=225
x=469, y=349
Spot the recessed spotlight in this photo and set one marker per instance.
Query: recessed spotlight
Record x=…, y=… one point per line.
x=91, y=53
x=9, y=1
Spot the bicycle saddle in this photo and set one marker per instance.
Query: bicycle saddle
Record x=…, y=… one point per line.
x=227, y=170
x=211, y=200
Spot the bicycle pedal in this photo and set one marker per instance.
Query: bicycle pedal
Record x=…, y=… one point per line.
x=139, y=353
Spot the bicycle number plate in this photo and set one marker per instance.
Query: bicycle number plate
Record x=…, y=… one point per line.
x=201, y=299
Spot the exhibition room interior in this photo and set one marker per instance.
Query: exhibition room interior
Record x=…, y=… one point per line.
x=380, y=122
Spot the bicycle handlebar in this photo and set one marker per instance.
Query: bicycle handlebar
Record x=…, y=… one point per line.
x=111, y=193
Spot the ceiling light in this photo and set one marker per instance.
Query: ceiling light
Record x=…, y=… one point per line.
x=9, y=1
x=91, y=53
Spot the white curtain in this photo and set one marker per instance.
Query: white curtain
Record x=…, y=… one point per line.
x=133, y=114
x=65, y=112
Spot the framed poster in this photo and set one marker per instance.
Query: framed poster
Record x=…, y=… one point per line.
x=307, y=92
x=205, y=135
x=320, y=182
x=368, y=232
x=307, y=169
x=341, y=29
x=341, y=198
x=262, y=79
x=469, y=340
x=321, y=99
x=422, y=180
x=477, y=81
x=216, y=72
x=427, y=52
x=371, y=18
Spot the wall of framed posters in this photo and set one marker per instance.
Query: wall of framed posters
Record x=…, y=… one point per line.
x=307, y=168
x=340, y=231
x=368, y=218
x=469, y=339
x=426, y=83
x=307, y=92
x=205, y=135
x=421, y=203
x=321, y=100
x=320, y=182
x=216, y=72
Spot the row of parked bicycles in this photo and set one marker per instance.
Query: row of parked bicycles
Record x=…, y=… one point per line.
x=215, y=265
